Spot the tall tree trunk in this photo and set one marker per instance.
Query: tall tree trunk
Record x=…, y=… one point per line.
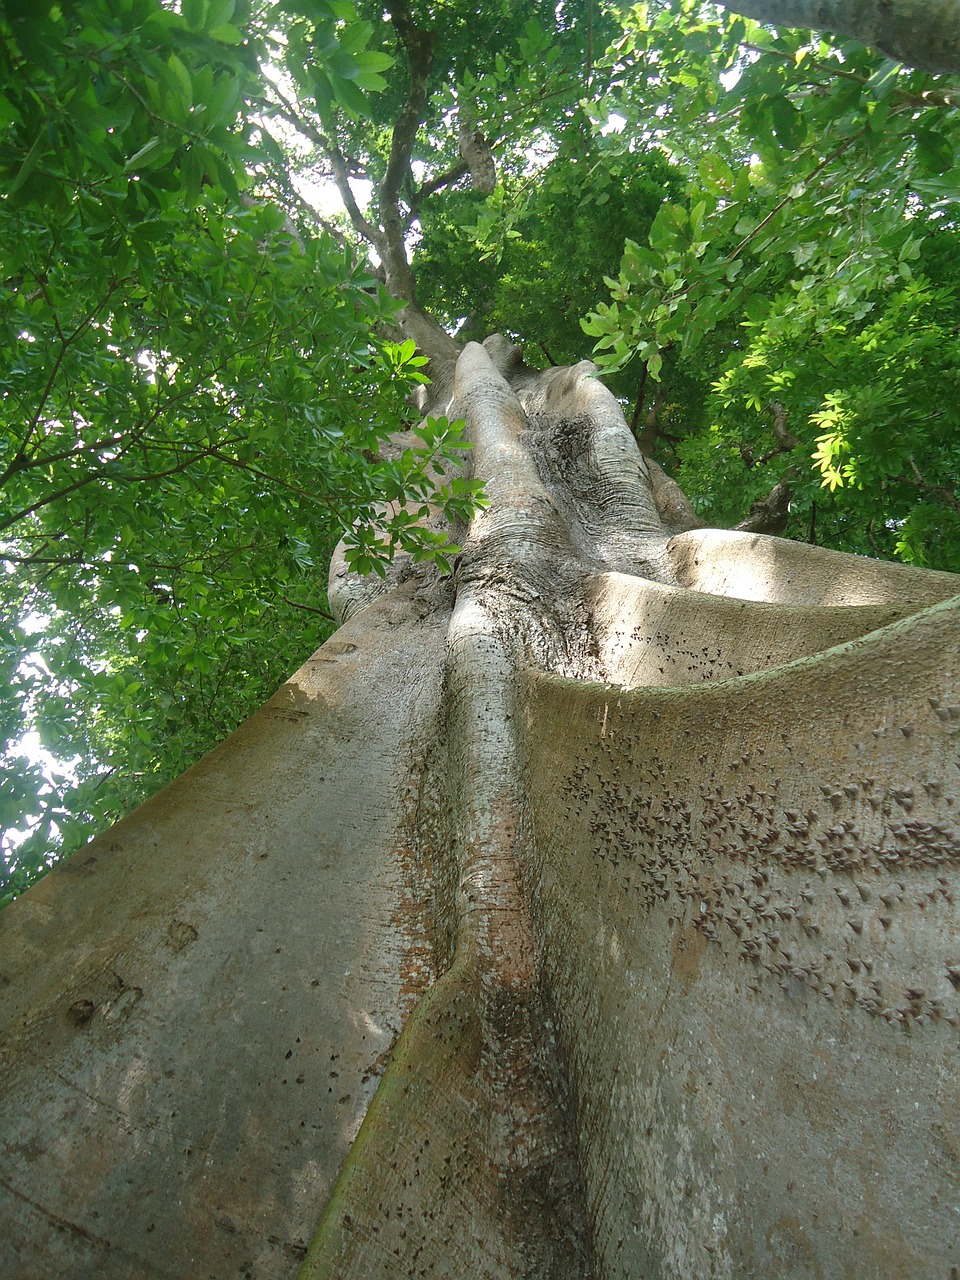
x=647, y=841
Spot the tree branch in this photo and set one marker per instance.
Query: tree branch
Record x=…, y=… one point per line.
x=312, y=496
x=946, y=495
x=927, y=98
x=771, y=513
x=309, y=608
x=419, y=47
x=638, y=406
x=103, y=474
x=388, y=238
x=786, y=442
x=459, y=170
x=339, y=167
x=920, y=33
x=652, y=427
x=784, y=438
x=20, y=460
x=673, y=505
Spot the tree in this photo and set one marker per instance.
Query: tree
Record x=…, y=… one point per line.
x=803, y=243
x=577, y=879
x=179, y=445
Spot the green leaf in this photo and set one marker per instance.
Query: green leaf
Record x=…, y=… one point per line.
x=138, y=157
x=756, y=308
x=195, y=13
x=349, y=97
x=227, y=33
x=354, y=37
x=218, y=13
x=182, y=77
x=28, y=165
x=715, y=174
x=935, y=151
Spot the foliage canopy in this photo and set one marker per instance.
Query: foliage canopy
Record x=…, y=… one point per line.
x=194, y=392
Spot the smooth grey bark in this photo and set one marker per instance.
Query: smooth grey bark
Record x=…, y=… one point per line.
x=920, y=33
x=195, y=1009
x=699, y=786
x=644, y=842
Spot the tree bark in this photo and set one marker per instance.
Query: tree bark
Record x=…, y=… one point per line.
x=921, y=33
x=625, y=862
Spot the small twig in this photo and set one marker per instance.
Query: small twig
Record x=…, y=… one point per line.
x=102, y=474
x=929, y=97
x=322, y=499
x=641, y=387
x=310, y=608
x=948, y=495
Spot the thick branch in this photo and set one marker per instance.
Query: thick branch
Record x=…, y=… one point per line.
x=652, y=429
x=388, y=238
x=459, y=170
x=786, y=442
x=477, y=154
x=419, y=46
x=921, y=33
x=785, y=439
x=341, y=176
x=770, y=514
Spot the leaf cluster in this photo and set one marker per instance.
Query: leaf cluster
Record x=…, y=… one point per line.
x=531, y=260
x=822, y=180
x=194, y=397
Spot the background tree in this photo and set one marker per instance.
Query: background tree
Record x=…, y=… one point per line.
x=822, y=220
x=641, y=832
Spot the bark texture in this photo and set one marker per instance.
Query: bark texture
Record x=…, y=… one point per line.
x=919, y=33
x=626, y=862
x=477, y=155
